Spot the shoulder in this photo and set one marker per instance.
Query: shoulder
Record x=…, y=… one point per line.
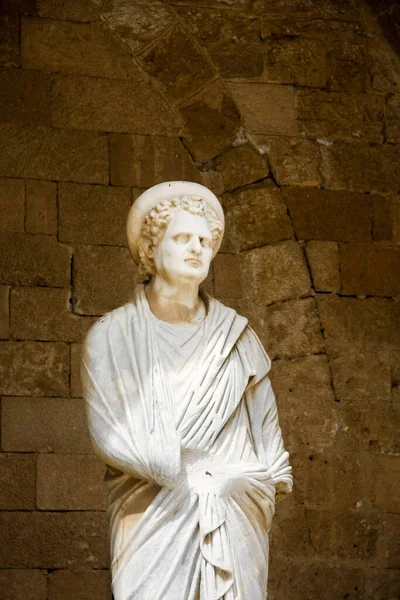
x=106, y=325
x=251, y=344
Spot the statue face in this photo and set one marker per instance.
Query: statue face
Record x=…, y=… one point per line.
x=184, y=254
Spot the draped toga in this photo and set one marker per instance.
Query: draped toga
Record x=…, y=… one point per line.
x=186, y=421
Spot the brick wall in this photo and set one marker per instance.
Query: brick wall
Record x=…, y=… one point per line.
x=289, y=110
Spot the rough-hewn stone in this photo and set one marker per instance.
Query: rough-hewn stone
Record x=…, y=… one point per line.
x=386, y=222
x=21, y=584
x=17, y=481
x=382, y=584
x=44, y=425
x=25, y=97
x=62, y=540
x=392, y=119
x=65, y=10
x=289, y=535
x=75, y=365
x=266, y=107
x=371, y=270
x=323, y=259
x=9, y=40
x=386, y=482
x=113, y=285
x=67, y=47
x=327, y=215
x=227, y=276
x=255, y=216
x=241, y=166
x=98, y=104
x=33, y=260
x=41, y=207
x=293, y=161
x=178, y=65
x=348, y=58
x=12, y=205
x=390, y=542
x=93, y=214
x=33, y=368
x=4, y=312
x=80, y=487
x=277, y=273
x=37, y=152
x=83, y=585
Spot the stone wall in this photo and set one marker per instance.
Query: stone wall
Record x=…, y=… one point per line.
x=289, y=110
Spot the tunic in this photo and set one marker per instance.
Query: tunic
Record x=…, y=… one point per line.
x=185, y=420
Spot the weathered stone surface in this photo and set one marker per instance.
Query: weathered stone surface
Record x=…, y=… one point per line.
x=104, y=278
x=33, y=260
x=20, y=584
x=348, y=64
x=393, y=119
x=386, y=482
x=371, y=270
x=386, y=222
x=390, y=539
x=111, y=105
x=93, y=214
x=354, y=323
x=383, y=66
x=340, y=116
x=266, y=108
x=4, y=312
x=241, y=166
x=382, y=584
x=80, y=48
x=33, y=368
x=289, y=534
x=137, y=22
x=300, y=8
x=227, y=276
x=41, y=207
x=178, y=65
x=9, y=41
x=75, y=362
x=45, y=425
x=142, y=161
x=292, y=329
x=305, y=402
x=293, y=161
x=45, y=314
x=63, y=540
x=343, y=167
x=255, y=216
x=277, y=273
x=17, y=481
x=80, y=487
x=326, y=215
x=83, y=585
x=323, y=259
x=37, y=152
x=65, y=10
x=24, y=97
x=12, y=205
x=211, y=122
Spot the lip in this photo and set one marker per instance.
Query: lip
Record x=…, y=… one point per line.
x=194, y=261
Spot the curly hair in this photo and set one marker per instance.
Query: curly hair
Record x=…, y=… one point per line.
x=158, y=219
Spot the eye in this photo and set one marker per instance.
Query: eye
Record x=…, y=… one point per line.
x=182, y=238
x=206, y=242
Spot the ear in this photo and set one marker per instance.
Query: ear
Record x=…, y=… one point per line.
x=148, y=248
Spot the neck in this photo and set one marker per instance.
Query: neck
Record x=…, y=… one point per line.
x=177, y=303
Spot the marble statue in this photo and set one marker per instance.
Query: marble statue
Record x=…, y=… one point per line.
x=180, y=409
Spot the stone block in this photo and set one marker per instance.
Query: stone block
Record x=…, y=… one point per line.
x=75, y=377
x=93, y=214
x=266, y=107
x=142, y=161
x=45, y=425
x=45, y=314
x=65, y=10
x=178, y=65
x=369, y=269
x=23, y=584
x=382, y=584
x=37, y=152
x=62, y=540
x=227, y=276
x=293, y=161
x=289, y=536
x=25, y=97
x=305, y=402
x=340, y=116
x=292, y=329
x=255, y=216
x=81, y=48
x=12, y=205
x=34, y=369
x=343, y=167
x=323, y=259
x=354, y=323
x=211, y=122
x=276, y=273
x=17, y=481
x=348, y=62
x=130, y=105
x=4, y=312
x=340, y=9
x=386, y=482
x=33, y=260
x=383, y=69
x=80, y=487
x=83, y=585
x=327, y=215
x=386, y=221
x=9, y=41
x=41, y=207
x=393, y=119
x=104, y=278
x=391, y=540
x=241, y=166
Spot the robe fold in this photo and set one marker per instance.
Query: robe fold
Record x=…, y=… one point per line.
x=194, y=457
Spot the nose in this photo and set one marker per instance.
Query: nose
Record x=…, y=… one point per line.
x=195, y=245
